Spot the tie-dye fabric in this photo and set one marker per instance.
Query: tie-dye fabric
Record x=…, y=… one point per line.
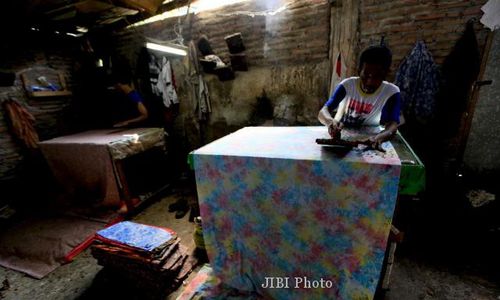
x=276, y=204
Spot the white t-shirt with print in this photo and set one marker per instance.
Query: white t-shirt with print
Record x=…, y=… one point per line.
x=359, y=108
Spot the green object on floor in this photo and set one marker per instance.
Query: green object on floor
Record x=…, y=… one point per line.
x=198, y=234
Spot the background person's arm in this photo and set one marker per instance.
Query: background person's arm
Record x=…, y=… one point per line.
x=143, y=115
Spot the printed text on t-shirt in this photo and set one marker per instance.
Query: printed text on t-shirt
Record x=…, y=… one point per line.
x=360, y=107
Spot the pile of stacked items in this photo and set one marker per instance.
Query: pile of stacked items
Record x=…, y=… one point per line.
x=150, y=257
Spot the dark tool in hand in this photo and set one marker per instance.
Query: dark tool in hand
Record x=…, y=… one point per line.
x=351, y=144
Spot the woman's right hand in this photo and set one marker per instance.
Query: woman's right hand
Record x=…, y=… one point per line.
x=334, y=129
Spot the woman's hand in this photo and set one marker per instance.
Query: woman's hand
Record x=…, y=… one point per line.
x=334, y=129
x=376, y=143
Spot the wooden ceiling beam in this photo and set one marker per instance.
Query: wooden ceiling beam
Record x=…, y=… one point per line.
x=149, y=6
x=172, y=5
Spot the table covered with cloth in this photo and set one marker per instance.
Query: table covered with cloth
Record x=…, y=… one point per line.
x=83, y=163
x=276, y=204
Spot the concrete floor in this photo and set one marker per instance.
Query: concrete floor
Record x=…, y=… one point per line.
x=414, y=276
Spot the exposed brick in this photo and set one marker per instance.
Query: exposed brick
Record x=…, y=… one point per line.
x=439, y=23
x=432, y=16
x=303, y=24
x=454, y=4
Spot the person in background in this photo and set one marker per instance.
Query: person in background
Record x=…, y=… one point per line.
x=365, y=100
x=130, y=111
x=133, y=110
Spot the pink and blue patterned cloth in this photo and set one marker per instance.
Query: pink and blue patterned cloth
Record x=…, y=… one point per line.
x=276, y=204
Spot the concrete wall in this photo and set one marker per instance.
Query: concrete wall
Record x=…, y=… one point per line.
x=482, y=152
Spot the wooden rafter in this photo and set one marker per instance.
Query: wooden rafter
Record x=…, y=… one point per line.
x=149, y=6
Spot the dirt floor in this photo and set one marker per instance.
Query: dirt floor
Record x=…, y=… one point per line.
x=425, y=268
x=84, y=278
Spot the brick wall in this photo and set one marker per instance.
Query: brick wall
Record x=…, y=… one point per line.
x=439, y=23
x=300, y=32
x=310, y=33
x=32, y=55
x=297, y=34
x=287, y=45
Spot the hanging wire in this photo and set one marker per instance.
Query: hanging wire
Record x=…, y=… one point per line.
x=178, y=40
x=267, y=12
x=178, y=27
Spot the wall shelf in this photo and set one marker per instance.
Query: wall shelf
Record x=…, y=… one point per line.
x=49, y=93
x=59, y=93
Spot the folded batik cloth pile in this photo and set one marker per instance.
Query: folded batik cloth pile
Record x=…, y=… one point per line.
x=149, y=256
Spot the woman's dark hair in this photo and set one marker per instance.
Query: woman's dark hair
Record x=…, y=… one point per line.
x=121, y=71
x=121, y=77
x=379, y=54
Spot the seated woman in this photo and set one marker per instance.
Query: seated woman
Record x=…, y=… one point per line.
x=134, y=112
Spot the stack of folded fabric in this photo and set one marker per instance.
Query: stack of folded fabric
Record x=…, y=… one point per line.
x=150, y=257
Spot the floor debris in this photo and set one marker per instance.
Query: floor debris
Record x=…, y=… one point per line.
x=478, y=198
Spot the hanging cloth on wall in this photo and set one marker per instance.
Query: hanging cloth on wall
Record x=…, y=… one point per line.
x=193, y=65
x=418, y=81
x=166, y=84
x=198, y=89
x=22, y=123
x=154, y=74
x=148, y=71
x=203, y=107
x=339, y=73
x=491, y=16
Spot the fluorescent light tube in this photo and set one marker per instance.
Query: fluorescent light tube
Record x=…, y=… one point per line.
x=166, y=49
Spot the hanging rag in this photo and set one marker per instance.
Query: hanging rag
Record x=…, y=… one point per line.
x=204, y=107
x=148, y=70
x=193, y=65
x=418, y=81
x=22, y=123
x=339, y=73
x=154, y=68
x=198, y=89
x=166, y=84
x=491, y=16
